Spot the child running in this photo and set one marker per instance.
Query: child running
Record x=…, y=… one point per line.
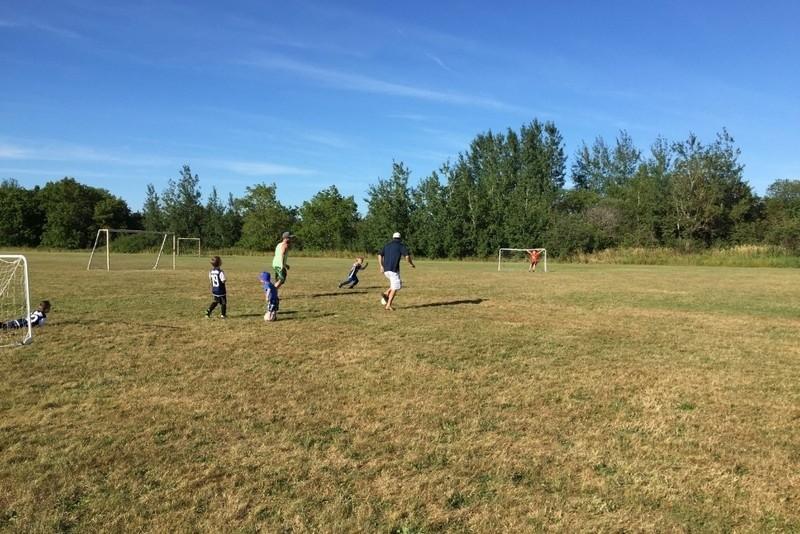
x=217, y=278
x=37, y=318
x=271, y=296
x=352, y=277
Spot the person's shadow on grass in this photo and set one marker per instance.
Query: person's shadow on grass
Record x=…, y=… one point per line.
x=289, y=312
x=342, y=293
x=446, y=303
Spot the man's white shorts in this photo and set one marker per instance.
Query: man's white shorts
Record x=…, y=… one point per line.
x=394, y=279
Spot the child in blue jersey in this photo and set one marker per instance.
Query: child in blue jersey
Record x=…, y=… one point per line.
x=352, y=276
x=37, y=318
x=218, y=292
x=271, y=296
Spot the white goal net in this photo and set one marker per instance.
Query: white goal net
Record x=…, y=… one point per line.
x=519, y=259
x=15, y=302
x=131, y=249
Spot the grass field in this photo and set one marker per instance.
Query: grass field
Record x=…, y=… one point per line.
x=590, y=398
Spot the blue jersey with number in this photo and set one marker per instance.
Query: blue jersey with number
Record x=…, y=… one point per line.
x=217, y=278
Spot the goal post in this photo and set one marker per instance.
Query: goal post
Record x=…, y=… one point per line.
x=148, y=241
x=508, y=257
x=15, y=301
x=188, y=246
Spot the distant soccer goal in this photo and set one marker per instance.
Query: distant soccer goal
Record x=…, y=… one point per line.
x=517, y=259
x=15, y=301
x=188, y=246
x=134, y=249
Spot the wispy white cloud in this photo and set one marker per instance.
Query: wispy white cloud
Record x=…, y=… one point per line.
x=282, y=129
x=58, y=151
x=271, y=33
x=438, y=61
x=415, y=117
x=39, y=26
x=12, y=152
x=260, y=168
x=367, y=84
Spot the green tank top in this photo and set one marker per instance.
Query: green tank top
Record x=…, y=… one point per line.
x=277, y=261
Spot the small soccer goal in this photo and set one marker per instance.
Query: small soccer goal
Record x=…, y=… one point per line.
x=519, y=259
x=133, y=249
x=188, y=246
x=15, y=301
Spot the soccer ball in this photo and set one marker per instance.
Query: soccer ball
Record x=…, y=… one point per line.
x=383, y=300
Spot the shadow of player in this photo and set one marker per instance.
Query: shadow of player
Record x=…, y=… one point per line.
x=446, y=303
x=340, y=293
x=289, y=312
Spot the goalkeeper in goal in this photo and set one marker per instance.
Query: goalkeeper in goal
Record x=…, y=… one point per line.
x=533, y=257
x=37, y=318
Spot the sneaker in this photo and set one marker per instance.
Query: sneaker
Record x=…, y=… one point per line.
x=207, y=315
x=222, y=317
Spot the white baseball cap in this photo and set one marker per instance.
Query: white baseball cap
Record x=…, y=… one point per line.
x=396, y=235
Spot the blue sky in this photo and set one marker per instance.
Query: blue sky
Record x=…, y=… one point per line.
x=308, y=94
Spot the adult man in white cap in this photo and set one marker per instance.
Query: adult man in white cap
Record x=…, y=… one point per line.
x=279, y=261
x=389, y=261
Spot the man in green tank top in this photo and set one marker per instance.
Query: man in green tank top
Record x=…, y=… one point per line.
x=279, y=261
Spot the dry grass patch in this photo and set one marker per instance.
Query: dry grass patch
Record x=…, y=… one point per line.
x=589, y=398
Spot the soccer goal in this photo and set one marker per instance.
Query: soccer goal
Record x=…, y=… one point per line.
x=15, y=300
x=189, y=246
x=516, y=259
x=137, y=249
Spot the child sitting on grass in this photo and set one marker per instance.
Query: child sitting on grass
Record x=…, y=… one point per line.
x=352, y=276
x=37, y=318
x=271, y=296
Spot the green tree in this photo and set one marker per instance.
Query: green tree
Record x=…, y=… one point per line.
x=644, y=199
x=592, y=167
x=264, y=218
x=152, y=211
x=183, y=212
x=111, y=212
x=69, y=209
x=708, y=194
x=231, y=223
x=214, y=221
x=389, y=209
x=21, y=218
x=328, y=221
x=536, y=189
x=782, y=206
x=430, y=224
x=624, y=163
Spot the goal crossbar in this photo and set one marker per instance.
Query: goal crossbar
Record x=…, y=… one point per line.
x=526, y=250
x=108, y=231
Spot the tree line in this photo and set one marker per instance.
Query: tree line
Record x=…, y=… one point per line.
x=505, y=190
